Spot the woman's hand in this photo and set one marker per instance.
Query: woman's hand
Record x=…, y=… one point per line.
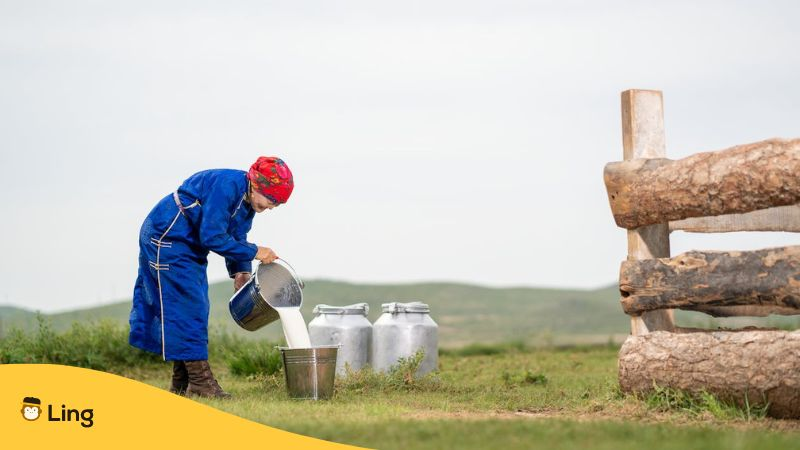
x=239, y=280
x=266, y=255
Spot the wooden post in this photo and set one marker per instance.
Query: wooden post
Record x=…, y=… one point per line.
x=643, y=137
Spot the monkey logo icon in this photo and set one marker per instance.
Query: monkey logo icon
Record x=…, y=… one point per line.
x=31, y=408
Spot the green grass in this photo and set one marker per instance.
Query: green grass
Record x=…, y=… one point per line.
x=246, y=357
x=100, y=346
x=485, y=349
x=541, y=434
x=505, y=396
x=703, y=403
x=104, y=346
x=536, y=398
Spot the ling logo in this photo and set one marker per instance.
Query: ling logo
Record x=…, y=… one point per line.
x=32, y=410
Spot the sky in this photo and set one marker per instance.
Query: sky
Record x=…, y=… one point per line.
x=430, y=140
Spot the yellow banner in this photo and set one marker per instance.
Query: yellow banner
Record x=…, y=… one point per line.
x=52, y=406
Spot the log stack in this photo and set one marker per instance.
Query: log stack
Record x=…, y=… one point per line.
x=753, y=187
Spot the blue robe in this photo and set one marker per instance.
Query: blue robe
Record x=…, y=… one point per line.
x=170, y=299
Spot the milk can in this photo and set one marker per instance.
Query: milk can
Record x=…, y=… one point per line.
x=403, y=329
x=346, y=326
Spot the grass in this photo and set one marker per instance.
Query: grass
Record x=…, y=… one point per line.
x=399, y=378
x=535, y=398
x=504, y=396
x=486, y=349
x=541, y=434
x=703, y=403
x=246, y=357
x=103, y=345
x=99, y=346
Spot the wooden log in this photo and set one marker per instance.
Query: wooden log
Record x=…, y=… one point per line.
x=779, y=218
x=757, y=367
x=643, y=137
x=736, y=180
x=703, y=280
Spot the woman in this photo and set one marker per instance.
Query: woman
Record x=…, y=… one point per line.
x=211, y=211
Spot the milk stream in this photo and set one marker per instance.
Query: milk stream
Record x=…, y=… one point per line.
x=294, y=327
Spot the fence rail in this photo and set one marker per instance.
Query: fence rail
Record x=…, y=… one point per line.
x=695, y=281
x=741, y=179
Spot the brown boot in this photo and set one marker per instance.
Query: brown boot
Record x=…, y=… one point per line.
x=180, y=378
x=202, y=382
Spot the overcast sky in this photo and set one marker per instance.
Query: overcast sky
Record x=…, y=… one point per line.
x=430, y=140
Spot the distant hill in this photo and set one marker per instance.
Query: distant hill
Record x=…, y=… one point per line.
x=465, y=313
x=11, y=316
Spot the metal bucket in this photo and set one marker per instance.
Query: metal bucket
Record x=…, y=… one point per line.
x=310, y=372
x=273, y=285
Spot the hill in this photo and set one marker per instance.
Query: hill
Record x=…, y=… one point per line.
x=465, y=313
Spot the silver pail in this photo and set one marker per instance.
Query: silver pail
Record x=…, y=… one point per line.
x=273, y=285
x=310, y=372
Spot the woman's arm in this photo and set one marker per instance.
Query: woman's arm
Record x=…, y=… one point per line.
x=215, y=210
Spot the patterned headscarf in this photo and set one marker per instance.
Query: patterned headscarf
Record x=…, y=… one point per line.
x=271, y=177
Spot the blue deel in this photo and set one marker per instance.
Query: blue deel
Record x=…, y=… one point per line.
x=170, y=299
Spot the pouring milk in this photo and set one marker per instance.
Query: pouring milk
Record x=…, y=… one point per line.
x=272, y=287
x=294, y=327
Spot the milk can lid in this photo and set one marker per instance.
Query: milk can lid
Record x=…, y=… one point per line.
x=355, y=308
x=411, y=307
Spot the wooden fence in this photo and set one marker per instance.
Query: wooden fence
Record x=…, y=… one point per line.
x=752, y=187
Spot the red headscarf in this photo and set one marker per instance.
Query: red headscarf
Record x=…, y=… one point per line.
x=272, y=178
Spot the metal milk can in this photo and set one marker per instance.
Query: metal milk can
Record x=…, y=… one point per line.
x=346, y=326
x=403, y=329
